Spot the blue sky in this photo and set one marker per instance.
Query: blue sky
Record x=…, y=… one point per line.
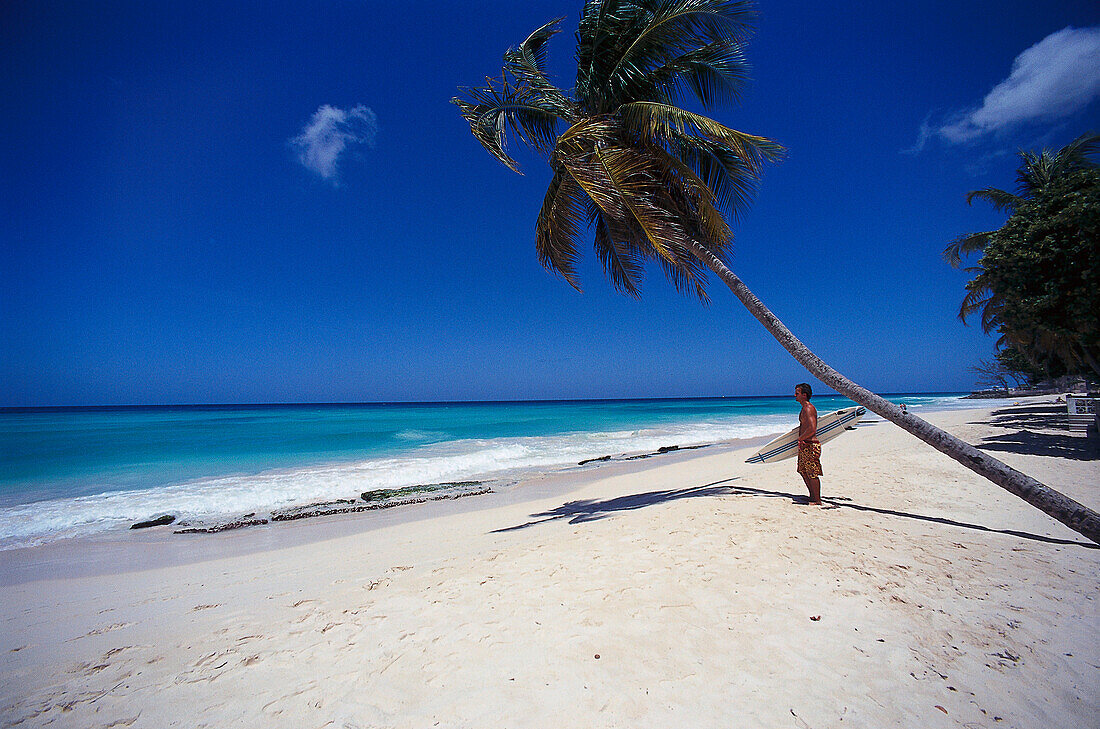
x=271, y=202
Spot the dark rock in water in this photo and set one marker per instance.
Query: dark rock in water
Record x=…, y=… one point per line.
x=382, y=494
x=223, y=526
x=666, y=449
x=337, y=506
x=160, y=520
x=342, y=506
x=322, y=508
x=594, y=460
x=380, y=499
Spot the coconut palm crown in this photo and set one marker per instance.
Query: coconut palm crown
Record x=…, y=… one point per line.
x=653, y=179
x=628, y=161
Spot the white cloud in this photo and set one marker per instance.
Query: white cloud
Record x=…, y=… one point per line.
x=1052, y=79
x=329, y=133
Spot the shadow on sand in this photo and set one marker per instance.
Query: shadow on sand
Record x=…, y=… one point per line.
x=586, y=510
x=1039, y=431
x=578, y=512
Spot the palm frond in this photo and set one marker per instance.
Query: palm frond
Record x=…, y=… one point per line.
x=981, y=298
x=1076, y=154
x=693, y=200
x=668, y=29
x=965, y=245
x=1002, y=200
x=657, y=123
x=991, y=314
x=686, y=272
x=557, y=230
x=631, y=180
x=603, y=31
x=529, y=58
x=1039, y=169
x=527, y=63
x=499, y=107
x=714, y=73
x=623, y=264
x=976, y=297
x=731, y=181
x=728, y=161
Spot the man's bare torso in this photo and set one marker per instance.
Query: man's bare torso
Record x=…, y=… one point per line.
x=807, y=423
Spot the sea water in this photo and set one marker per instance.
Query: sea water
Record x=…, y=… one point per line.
x=68, y=472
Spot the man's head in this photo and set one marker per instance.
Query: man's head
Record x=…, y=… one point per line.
x=803, y=389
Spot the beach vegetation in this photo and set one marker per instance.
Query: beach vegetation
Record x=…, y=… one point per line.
x=1036, y=281
x=648, y=180
x=1017, y=366
x=991, y=374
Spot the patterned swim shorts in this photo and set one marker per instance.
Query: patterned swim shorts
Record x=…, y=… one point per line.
x=809, y=459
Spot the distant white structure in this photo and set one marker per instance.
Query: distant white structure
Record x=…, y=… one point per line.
x=1081, y=411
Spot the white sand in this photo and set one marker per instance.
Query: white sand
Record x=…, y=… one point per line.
x=695, y=578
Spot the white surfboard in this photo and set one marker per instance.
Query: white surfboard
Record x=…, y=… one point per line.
x=828, y=427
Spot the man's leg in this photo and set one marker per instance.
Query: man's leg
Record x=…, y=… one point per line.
x=813, y=485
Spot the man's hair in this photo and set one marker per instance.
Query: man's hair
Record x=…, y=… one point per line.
x=806, y=389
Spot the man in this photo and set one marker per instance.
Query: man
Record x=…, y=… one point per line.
x=809, y=449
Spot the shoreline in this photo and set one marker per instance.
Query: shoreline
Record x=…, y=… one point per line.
x=98, y=554
x=687, y=590
x=217, y=501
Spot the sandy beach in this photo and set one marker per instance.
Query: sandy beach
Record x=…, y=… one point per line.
x=686, y=590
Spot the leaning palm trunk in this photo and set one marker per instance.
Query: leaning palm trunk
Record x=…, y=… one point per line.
x=1076, y=516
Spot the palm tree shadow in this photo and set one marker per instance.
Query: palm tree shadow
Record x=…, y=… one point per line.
x=586, y=510
x=968, y=525
x=1042, y=444
x=1032, y=434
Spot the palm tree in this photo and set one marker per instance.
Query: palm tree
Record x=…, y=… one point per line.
x=1036, y=172
x=650, y=177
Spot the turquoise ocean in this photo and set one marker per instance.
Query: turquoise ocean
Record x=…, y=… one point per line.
x=69, y=472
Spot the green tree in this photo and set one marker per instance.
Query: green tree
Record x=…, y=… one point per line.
x=1037, y=172
x=1043, y=270
x=651, y=179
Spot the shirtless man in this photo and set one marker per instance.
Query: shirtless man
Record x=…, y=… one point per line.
x=809, y=449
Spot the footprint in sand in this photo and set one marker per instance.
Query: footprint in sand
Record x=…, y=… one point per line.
x=106, y=629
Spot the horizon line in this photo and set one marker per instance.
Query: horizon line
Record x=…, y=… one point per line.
x=165, y=406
